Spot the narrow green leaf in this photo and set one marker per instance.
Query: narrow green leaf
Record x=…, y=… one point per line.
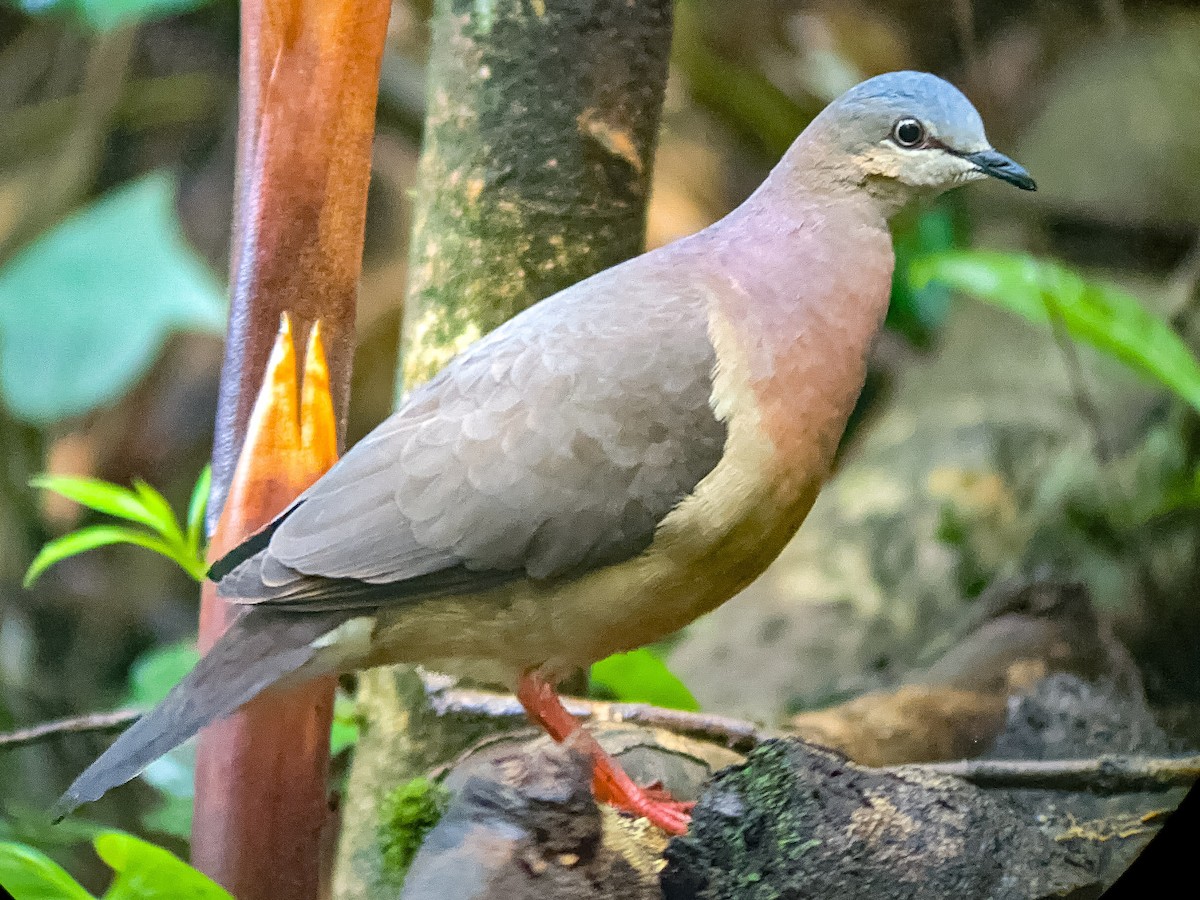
x=89, y=539
x=102, y=496
x=159, y=510
x=196, y=509
x=1101, y=315
x=642, y=677
x=147, y=872
x=29, y=874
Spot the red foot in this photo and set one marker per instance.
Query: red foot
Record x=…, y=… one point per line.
x=610, y=784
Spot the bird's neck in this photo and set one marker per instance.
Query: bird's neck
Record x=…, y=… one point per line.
x=811, y=168
x=808, y=276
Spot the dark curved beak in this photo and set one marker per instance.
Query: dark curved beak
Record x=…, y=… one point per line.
x=1000, y=166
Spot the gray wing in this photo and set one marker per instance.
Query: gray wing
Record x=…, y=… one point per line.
x=556, y=444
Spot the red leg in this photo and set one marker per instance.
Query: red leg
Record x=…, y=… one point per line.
x=610, y=784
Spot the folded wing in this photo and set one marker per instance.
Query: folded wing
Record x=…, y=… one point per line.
x=555, y=445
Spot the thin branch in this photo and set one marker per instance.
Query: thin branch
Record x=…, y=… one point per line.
x=105, y=721
x=964, y=26
x=445, y=699
x=1101, y=775
x=1104, y=775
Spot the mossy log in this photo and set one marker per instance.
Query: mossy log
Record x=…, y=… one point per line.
x=799, y=821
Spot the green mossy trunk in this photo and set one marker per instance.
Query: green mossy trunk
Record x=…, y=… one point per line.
x=540, y=130
x=539, y=142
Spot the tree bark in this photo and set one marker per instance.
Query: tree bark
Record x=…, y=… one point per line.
x=541, y=123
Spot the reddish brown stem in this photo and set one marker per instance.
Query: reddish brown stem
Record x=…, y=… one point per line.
x=309, y=76
x=309, y=80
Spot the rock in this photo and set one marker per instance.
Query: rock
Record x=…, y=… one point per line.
x=526, y=826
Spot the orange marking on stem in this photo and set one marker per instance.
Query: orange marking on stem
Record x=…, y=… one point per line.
x=275, y=749
x=318, y=423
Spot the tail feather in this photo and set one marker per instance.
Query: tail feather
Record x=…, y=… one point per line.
x=260, y=648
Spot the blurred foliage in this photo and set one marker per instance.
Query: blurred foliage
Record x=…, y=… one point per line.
x=738, y=93
x=640, y=676
x=1100, y=315
x=89, y=304
x=183, y=544
x=916, y=310
x=157, y=671
x=344, y=733
x=142, y=872
x=1143, y=83
x=105, y=15
x=31, y=875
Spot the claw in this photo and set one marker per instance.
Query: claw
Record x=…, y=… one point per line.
x=610, y=784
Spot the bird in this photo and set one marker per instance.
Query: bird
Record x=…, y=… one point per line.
x=606, y=466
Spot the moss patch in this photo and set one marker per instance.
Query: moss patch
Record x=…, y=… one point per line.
x=407, y=814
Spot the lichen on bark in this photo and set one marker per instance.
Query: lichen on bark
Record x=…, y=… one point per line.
x=539, y=141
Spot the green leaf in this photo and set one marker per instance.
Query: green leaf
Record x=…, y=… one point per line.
x=156, y=671
x=102, y=496
x=147, y=872
x=85, y=309
x=29, y=874
x=172, y=816
x=159, y=510
x=918, y=312
x=642, y=677
x=143, y=504
x=1101, y=315
x=105, y=15
x=89, y=539
x=196, y=508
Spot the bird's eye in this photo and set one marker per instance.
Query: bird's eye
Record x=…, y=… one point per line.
x=908, y=133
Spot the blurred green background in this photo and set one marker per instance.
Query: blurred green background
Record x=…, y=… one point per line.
x=989, y=445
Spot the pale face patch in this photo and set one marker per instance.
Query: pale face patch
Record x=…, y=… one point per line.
x=927, y=169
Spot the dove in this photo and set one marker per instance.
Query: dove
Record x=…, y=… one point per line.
x=606, y=466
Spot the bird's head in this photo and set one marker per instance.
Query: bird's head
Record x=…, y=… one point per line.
x=908, y=133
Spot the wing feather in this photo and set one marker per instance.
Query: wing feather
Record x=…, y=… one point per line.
x=556, y=444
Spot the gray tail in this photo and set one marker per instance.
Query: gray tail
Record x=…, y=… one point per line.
x=260, y=648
